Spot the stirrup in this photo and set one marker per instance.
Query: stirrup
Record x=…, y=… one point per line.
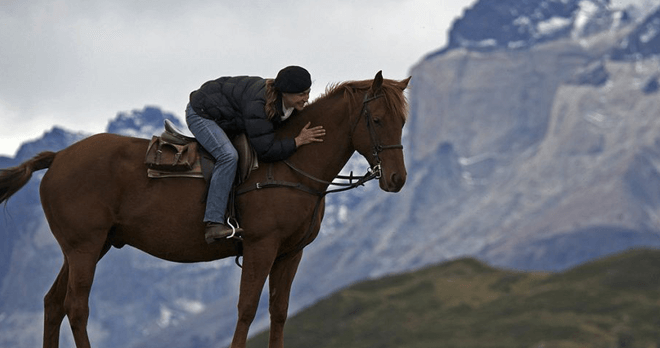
x=233, y=229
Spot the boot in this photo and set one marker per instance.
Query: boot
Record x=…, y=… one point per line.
x=216, y=231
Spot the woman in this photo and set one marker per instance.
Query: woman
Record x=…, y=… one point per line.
x=228, y=106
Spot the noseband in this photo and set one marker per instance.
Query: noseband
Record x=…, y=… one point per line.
x=377, y=147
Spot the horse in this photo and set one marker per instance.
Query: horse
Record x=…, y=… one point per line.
x=96, y=195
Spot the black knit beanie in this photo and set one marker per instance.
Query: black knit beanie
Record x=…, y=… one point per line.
x=293, y=79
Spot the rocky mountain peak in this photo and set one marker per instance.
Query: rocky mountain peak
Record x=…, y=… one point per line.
x=520, y=24
x=141, y=123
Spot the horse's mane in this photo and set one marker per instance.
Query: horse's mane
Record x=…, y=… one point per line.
x=396, y=100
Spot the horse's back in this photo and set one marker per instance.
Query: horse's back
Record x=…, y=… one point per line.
x=97, y=149
x=92, y=166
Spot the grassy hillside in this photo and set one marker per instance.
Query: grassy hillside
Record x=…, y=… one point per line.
x=613, y=302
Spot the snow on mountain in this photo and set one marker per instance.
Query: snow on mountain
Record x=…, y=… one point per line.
x=515, y=24
x=639, y=9
x=643, y=42
x=519, y=24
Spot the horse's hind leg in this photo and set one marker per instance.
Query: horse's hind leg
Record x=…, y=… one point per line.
x=82, y=266
x=54, y=308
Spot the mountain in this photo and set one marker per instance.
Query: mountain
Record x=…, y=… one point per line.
x=556, y=143
x=527, y=148
x=492, y=25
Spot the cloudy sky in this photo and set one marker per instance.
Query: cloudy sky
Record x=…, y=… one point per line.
x=76, y=63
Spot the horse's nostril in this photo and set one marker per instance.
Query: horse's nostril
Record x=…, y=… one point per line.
x=397, y=180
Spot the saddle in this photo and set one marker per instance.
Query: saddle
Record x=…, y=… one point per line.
x=175, y=155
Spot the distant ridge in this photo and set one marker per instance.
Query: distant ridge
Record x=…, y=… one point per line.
x=465, y=303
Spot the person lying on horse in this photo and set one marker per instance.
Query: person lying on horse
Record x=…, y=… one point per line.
x=257, y=107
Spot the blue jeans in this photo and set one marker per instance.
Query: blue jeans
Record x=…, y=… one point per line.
x=216, y=142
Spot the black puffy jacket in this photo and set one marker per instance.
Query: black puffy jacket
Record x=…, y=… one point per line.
x=236, y=104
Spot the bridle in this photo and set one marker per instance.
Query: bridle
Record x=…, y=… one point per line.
x=377, y=147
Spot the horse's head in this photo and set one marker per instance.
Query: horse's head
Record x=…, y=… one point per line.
x=377, y=131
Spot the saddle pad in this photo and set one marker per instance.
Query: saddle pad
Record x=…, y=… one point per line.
x=195, y=172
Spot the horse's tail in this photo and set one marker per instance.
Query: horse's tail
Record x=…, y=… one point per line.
x=12, y=179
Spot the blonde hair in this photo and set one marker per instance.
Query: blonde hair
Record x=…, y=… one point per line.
x=271, y=99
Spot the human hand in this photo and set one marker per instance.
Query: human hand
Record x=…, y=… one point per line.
x=310, y=135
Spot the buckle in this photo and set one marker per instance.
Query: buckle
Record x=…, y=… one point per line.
x=376, y=170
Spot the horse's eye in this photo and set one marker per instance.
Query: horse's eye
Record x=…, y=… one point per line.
x=377, y=121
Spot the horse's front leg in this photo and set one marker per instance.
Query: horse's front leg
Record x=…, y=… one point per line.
x=258, y=260
x=280, y=280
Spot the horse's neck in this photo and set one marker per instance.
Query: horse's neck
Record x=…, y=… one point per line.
x=325, y=160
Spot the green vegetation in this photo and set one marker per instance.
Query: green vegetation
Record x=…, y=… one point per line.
x=613, y=302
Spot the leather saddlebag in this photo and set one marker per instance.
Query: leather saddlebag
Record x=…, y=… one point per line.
x=163, y=155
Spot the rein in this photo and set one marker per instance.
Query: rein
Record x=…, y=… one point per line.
x=374, y=172
x=353, y=181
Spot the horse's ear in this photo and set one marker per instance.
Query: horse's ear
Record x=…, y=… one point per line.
x=403, y=84
x=378, y=82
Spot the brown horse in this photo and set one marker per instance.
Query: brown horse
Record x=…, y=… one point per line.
x=96, y=195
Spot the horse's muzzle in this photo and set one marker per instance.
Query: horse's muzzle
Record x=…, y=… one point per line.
x=393, y=182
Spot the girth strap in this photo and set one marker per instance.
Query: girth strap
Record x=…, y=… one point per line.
x=271, y=183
